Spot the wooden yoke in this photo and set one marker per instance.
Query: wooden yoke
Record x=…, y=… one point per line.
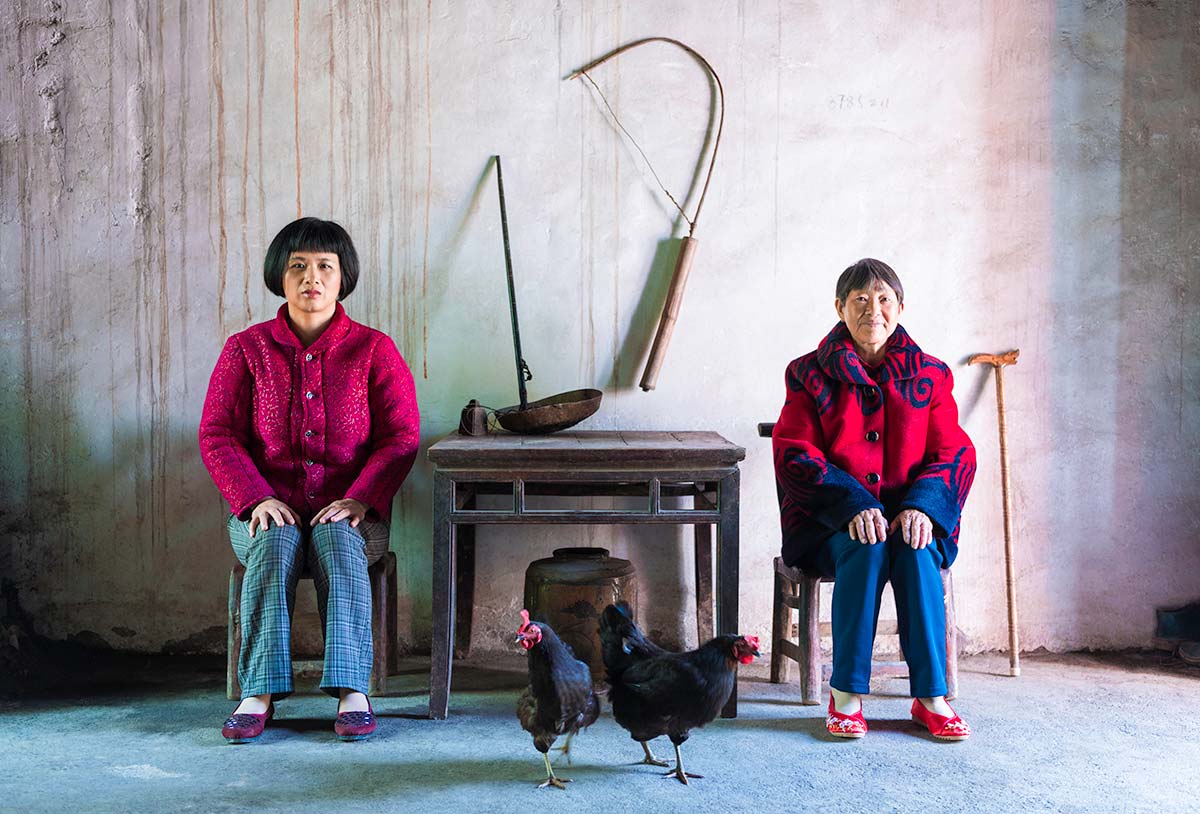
x=996, y=360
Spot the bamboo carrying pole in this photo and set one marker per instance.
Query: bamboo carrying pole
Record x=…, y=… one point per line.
x=998, y=363
x=670, y=314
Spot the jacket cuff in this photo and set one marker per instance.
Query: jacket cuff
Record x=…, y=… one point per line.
x=852, y=499
x=930, y=496
x=242, y=512
x=377, y=504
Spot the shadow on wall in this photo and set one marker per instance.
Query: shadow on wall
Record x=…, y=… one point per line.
x=1118, y=338
x=1081, y=363
x=1069, y=195
x=120, y=543
x=1157, y=346
x=412, y=533
x=635, y=348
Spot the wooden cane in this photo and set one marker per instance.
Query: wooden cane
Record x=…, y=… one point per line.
x=999, y=362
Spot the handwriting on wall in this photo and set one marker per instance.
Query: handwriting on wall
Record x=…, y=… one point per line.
x=857, y=101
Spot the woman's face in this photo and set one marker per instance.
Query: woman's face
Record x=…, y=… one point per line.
x=871, y=314
x=312, y=282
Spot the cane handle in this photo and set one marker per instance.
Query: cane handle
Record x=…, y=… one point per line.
x=994, y=359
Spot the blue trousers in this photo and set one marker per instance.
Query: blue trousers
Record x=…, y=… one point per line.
x=337, y=556
x=859, y=572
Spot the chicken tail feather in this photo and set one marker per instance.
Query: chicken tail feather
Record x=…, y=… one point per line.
x=622, y=643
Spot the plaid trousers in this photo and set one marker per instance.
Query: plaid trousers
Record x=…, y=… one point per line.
x=337, y=556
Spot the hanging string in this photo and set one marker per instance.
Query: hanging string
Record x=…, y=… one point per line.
x=691, y=224
x=712, y=161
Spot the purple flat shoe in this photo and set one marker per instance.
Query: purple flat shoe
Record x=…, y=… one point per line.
x=243, y=727
x=354, y=726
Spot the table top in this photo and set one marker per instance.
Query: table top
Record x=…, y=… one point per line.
x=609, y=448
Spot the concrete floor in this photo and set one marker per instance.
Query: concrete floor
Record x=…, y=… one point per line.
x=1122, y=738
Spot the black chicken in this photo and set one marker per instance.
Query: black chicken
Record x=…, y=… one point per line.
x=559, y=699
x=655, y=692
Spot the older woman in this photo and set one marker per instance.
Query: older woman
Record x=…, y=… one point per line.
x=873, y=470
x=309, y=428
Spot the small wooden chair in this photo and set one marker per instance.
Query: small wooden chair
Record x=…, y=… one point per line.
x=384, y=605
x=801, y=591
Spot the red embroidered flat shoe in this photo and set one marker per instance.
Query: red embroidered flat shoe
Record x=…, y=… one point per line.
x=841, y=725
x=354, y=726
x=941, y=727
x=243, y=727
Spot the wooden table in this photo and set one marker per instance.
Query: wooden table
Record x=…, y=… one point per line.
x=701, y=466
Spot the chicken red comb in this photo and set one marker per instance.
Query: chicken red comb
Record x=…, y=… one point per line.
x=524, y=619
x=752, y=641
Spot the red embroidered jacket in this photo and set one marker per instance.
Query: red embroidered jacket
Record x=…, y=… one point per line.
x=308, y=426
x=850, y=439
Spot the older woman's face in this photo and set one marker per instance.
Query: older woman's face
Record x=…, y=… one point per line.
x=871, y=314
x=312, y=281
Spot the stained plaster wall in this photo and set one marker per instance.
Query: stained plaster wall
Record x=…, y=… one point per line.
x=1028, y=167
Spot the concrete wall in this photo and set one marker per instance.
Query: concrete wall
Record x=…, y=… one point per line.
x=1029, y=168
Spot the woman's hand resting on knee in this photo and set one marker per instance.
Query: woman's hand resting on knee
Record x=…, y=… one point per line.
x=868, y=527
x=916, y=527
x=268, y=510
x=344, y=509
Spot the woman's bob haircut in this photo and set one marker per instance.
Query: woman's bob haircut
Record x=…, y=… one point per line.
x=311, y=235
x=865, y=274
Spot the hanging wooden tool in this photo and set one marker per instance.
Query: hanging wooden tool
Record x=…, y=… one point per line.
x=999, y=362
x=555, y=412
x=687, y=249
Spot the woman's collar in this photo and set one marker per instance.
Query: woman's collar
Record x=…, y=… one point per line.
x=339, y=326
x=838, y=358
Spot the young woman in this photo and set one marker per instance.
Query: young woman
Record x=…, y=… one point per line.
x=309, y=428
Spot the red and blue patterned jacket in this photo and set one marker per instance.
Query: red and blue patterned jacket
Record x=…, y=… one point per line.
x=851, y=438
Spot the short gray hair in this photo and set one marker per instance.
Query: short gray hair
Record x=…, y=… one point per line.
x=865, y=273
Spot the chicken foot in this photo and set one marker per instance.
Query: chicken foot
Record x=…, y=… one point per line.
x=678, y=773
x=551, y=780
x=650, y=759
x=566, y=748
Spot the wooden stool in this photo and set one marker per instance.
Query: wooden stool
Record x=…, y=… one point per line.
x=797, y=589
x=384, y=603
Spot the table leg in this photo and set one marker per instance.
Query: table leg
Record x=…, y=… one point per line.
x=443, y=597
x=704, y=578
x=464, y=584
x=728, y=563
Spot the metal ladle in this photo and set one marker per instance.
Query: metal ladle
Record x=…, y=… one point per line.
x=555, y=412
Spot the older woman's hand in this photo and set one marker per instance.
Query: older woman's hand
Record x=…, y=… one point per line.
x=868, y=527
x=268, y=510
x=916, y=527
x=344, y=509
